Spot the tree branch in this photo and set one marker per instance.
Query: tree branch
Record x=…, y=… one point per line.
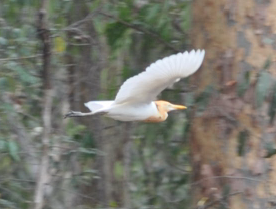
x=20, y=58
x=222, y=177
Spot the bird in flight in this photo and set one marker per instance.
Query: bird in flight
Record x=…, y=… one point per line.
x=135, y=99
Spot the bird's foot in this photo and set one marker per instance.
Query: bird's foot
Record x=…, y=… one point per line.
x=73, y=114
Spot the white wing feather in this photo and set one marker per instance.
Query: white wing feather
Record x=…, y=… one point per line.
x=97, y=105
x=144, y=87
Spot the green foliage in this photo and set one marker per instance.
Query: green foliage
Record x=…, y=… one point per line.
x=124, y=11
x=73, y=129
x=156, y=18
x=21, y=72
x=114, y=32
x=13, y=149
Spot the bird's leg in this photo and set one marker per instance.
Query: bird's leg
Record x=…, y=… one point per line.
x=77, y=114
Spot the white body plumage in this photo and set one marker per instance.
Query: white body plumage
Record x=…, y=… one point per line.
x=125, y=112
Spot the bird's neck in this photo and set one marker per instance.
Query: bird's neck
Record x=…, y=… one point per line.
x=161, y=114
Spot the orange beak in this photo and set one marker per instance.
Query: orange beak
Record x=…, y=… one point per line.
x=179, y=107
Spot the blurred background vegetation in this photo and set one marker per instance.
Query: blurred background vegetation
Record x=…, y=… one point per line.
x=217, y=154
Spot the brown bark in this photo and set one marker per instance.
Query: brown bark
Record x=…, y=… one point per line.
x=234, y=35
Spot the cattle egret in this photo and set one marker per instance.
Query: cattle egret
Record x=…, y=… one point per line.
x=135, y=99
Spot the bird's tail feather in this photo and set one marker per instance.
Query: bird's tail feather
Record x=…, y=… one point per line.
x=98, y=106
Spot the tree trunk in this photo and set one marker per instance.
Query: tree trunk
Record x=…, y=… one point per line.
x=229, y=137
x=43, y=175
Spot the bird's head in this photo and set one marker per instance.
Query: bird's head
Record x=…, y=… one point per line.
x=167, y=107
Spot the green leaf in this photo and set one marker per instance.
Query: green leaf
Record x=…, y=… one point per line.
x=52, y=5
x=243, y=137
x=72, y=129
x=25, y=76
x=186, y=17
x=114, y=32
x=13, y=150
x=263, y=84
x=126, y=73
x=124, y=12
x=152, y=12
x=21, y=72
x=94, y=5
x=59, y=44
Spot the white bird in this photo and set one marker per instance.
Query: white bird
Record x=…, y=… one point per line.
x=135, y=99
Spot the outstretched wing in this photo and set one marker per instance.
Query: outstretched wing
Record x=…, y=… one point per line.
x=145, y=87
